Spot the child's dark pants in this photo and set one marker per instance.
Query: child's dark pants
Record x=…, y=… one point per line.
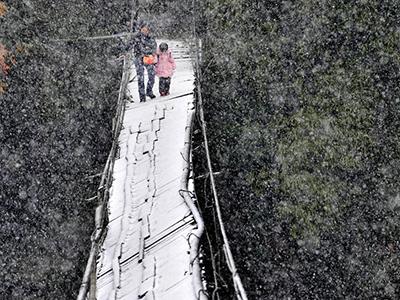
x=164, y=85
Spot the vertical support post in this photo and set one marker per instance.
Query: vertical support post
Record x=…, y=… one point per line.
x=93, y=279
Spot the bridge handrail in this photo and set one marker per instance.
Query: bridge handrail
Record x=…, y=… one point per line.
x=89, y=276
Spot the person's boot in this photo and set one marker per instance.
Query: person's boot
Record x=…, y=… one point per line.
x=151, y=95
x=142, y=98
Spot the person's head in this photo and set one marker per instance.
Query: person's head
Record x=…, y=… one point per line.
x=163, y=47
x=144, y=28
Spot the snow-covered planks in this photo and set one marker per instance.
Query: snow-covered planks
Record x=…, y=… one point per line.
x=146, y=253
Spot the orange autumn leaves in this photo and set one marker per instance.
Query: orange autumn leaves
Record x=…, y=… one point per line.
x=3, y=8
x=3, y=67
x=3, y=55
x=3, y=52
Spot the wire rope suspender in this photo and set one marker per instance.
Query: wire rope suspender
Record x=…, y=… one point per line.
x=89, y=278
x=239, y=289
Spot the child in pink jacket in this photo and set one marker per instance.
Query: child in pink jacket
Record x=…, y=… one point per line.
x=165, y=68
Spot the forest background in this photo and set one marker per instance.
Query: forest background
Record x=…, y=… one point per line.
x=302, y=104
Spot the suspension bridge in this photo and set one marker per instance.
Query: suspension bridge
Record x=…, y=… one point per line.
x=146, y=244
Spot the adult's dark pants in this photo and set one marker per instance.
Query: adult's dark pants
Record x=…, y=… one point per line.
x=164, y=85
x=139, y=65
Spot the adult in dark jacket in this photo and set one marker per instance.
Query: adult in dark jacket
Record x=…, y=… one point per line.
x=144, y=45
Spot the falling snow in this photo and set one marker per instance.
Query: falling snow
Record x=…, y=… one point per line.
x=301, y=101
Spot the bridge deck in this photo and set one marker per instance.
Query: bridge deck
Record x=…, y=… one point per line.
x=145, y=254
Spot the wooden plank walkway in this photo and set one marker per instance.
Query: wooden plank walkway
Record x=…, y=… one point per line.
x=146, y=253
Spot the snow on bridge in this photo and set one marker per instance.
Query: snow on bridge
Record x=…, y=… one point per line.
x=147, y=251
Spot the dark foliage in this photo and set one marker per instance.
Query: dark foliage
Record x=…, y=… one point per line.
x=302, y=106
x=54, y=132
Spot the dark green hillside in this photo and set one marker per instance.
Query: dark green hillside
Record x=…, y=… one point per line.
x=302, y=106
x=56, y=111
x=302, y=103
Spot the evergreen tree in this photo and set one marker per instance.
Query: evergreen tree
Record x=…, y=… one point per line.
x=302, y=109
x=57, y=106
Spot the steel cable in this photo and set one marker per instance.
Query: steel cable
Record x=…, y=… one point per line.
x=239, y=289
x=89, y=276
